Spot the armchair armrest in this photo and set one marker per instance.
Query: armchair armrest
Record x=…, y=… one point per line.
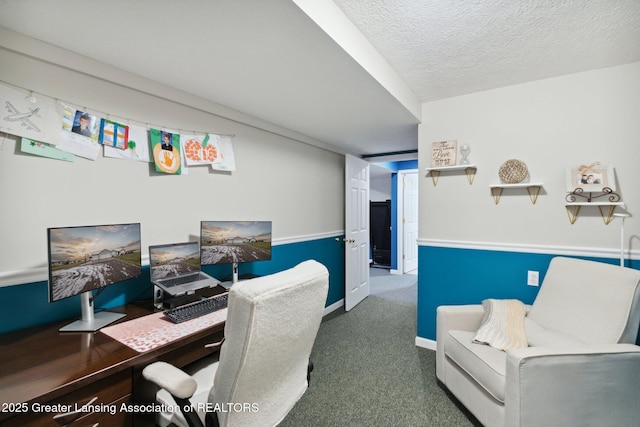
x=454, y=317
x=170, y=378
x=458, y=317
x=586, y=385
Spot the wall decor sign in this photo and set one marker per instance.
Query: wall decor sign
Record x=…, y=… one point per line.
x=443, y=153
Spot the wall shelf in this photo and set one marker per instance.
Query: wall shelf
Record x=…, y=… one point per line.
x=606, y=210
x=533, y=188
x=470, y=170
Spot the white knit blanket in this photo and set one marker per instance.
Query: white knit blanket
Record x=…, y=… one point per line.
x=502, y=324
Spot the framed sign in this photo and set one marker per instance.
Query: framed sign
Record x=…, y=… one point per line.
x=443, y=153
x=591, y=178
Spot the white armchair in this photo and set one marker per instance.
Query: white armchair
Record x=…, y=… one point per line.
x=263, y=367
x=581, y=366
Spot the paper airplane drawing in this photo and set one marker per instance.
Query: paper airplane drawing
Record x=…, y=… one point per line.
x=23, y=118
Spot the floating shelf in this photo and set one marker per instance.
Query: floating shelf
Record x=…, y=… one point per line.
x=533, y=188
x=470, y=170
x=606, y=210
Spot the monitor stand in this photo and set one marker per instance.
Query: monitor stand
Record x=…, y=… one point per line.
x=90, y=321
x=234, y=279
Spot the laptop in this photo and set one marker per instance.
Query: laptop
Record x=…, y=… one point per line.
x=175, y=268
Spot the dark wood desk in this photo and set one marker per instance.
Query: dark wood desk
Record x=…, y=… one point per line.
x=41, y=366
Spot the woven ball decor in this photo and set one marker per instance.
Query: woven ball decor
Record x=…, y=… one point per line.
x=513, y=171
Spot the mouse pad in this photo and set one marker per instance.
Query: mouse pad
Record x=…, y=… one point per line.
x=154, y=330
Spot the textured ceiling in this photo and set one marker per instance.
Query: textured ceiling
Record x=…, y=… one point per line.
x=275, y=61
x=445, y=48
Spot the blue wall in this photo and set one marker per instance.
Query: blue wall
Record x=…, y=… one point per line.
x=28, y=305
x=450, y=276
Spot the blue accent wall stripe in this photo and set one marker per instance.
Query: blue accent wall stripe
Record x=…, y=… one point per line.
x=451, y=276
x=28, y=305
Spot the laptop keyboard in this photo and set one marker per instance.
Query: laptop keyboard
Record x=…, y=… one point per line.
x=198, y=308
x=181, y=280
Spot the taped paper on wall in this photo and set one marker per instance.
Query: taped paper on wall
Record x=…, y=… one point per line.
x=166, y=151
x=137, y=146
x=42, y=149
x=31, y=116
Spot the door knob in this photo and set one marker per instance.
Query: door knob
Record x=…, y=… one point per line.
x=346, y=240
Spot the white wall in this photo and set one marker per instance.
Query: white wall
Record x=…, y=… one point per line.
x=380, y=188
x=551, y=125
x=298, y=186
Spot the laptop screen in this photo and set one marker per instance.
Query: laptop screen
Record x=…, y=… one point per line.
x=173, y=260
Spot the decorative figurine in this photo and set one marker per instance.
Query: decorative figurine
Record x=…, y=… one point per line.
x=464, y=151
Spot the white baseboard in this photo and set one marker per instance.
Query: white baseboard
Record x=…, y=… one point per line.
x=333, y=307
x=426, y=343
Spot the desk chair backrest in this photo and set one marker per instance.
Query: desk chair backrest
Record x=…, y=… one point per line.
x=271, y=326
x=593, y=302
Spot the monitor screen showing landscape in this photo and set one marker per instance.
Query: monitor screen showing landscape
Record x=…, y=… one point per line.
x=85, y=258
x=173, y=260
x=223, y=242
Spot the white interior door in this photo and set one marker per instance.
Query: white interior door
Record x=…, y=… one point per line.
x=410, y=222
x=356, y=231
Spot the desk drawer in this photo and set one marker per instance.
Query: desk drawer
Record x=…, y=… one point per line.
x=96, y=419
x=99, y=397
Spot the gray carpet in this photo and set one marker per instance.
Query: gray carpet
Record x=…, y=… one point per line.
x=397, y=287
x=369, y=372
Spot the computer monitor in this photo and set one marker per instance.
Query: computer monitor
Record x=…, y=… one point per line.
x=234, y=242
x=85, y=258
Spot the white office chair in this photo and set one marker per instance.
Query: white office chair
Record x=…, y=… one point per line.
x=264, y=363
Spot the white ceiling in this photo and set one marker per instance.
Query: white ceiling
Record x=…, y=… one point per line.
x=300, y=65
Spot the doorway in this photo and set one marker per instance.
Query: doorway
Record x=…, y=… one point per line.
x=394, y=186
x=380, y=230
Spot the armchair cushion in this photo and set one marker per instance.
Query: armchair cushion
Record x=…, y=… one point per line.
x=485, y=364
x=589, y=301
x=539, y=336
x=502, y=324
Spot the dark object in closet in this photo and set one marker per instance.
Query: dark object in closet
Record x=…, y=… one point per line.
x=380, y=233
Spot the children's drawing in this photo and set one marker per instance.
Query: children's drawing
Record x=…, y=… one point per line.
x=226, y=160
x=23, y=118
x=166, y=151
x=113, y=134
x=137, y=146
x=33, y=117
x=200, y=149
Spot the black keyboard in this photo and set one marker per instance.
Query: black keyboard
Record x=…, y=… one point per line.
x=198, y=308
x=181, y=280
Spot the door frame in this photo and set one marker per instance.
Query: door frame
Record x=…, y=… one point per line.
x=399, y=215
